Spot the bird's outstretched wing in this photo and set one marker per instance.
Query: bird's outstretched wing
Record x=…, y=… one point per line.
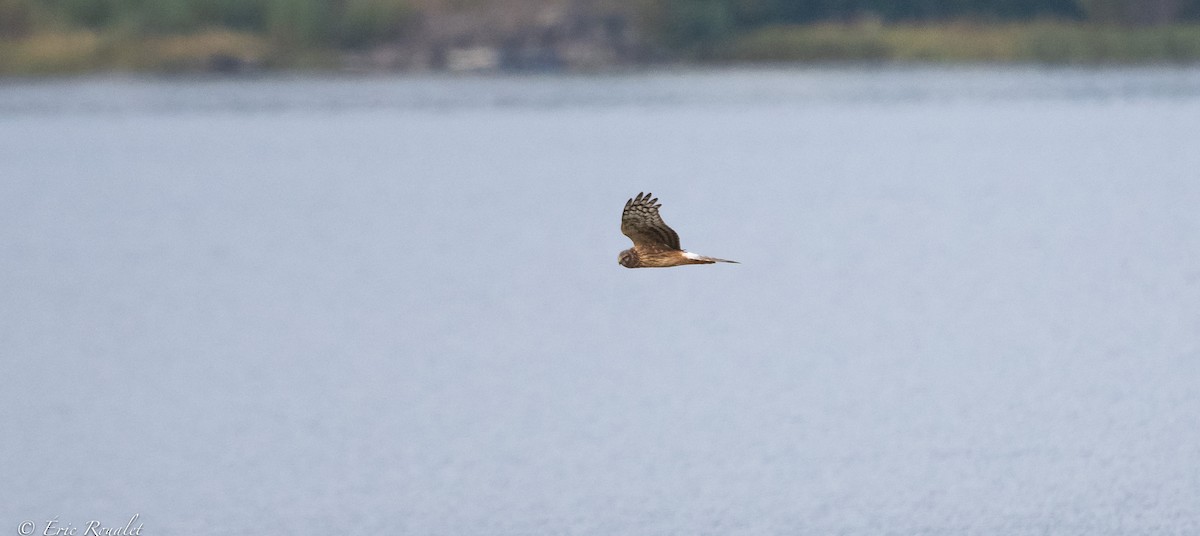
x=642, y=224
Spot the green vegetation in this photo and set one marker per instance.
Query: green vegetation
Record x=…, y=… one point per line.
x=51, y=36
x=86, y=50
x=1077, y=44
x=307, y=23
x=1042, y=42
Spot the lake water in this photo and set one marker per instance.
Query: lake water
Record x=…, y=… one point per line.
x=969, y=303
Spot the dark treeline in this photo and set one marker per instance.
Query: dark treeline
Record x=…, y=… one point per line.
x=363, y=22
x=73, y=35
x=330, y=22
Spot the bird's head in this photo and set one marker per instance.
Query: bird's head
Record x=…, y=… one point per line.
x=628, y=258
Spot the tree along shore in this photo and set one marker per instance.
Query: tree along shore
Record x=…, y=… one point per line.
x=78, y=36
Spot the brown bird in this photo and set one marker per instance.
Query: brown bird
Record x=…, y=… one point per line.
x=654, y=244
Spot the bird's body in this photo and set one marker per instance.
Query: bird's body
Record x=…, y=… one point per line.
x=655, y=245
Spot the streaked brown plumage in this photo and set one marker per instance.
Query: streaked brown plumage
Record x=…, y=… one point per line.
x=655, y=245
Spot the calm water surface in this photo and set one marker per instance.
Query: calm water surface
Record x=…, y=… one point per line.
x=968, y=304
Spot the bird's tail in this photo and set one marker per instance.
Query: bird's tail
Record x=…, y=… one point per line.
x=701, y=259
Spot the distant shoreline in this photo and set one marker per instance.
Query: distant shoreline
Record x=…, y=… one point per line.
x=227, y=51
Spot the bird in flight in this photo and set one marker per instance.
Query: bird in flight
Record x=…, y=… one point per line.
x=654, y=244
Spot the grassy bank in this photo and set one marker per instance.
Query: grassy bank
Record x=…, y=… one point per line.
x=77, y=51
x=86, y=51
x=1040, y=42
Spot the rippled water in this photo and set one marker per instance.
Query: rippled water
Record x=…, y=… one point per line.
x=967, y=304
